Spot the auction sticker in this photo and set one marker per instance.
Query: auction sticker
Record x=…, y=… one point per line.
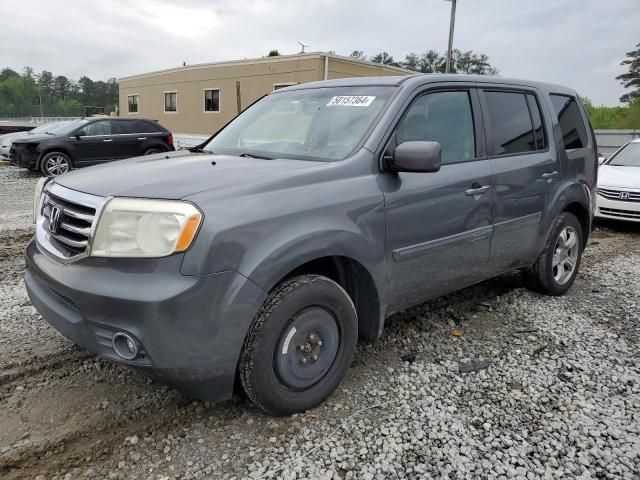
x=351, y=101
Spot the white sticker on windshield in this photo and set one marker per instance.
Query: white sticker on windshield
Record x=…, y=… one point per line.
x=351, y=101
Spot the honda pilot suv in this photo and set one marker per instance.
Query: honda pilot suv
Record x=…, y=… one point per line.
x=89, y=141
x=260, y=257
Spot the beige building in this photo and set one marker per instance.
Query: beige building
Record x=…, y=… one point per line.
x=200, y=99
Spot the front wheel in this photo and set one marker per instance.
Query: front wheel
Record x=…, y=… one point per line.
x=299, y=346
x=55, y=163
x=557, y=267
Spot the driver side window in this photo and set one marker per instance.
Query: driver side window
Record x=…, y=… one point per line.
x=101, y=127
x=443, y=117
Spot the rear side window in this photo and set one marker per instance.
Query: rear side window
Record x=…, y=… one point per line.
x=570, y=119
x=538, y=126
x=148, y=127
x=126, y=126
x=511, y=123
x=443, y=117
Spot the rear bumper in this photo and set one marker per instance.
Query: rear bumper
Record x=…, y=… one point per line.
x=618, y=210
x=190, y=328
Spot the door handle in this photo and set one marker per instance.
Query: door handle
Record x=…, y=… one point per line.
x=108, y=140
x=549, y=175
x=477, y=190
x=142, y=138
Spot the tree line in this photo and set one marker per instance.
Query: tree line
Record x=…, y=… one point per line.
x=432, y=61
x=30, y=94
x=628, y=115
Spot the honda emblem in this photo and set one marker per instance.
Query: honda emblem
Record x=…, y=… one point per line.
x=54, y=219
x=624, y=195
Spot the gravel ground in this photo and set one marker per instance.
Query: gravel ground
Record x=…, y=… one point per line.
x=553, y=391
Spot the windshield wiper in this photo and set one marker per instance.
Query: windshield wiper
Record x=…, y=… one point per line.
x=253, y=155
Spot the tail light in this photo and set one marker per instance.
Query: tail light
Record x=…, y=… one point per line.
x=170, y=139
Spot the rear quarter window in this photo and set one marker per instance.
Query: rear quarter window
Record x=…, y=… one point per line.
x=574, y=132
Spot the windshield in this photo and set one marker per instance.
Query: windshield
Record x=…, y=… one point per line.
x=47, y=127
x=70, y=126
x=629, y=156
x=324, y=124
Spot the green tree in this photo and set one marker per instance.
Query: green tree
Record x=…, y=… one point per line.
x=8, y=73
x=384, y=58
x=358, y=55
x=20, y=94
x=631, y=79
x=273, y=53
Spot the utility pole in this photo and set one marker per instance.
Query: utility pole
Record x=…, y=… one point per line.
x=451, y=25
x=40, y=95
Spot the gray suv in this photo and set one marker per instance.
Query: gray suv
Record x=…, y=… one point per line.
x=260, y=257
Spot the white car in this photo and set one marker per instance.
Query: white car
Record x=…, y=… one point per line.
x=7, y=139
x=619, y=184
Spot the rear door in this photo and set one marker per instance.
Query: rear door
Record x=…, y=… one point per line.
x=439, y=224
x=128, y=138
x=527, y=172
x=95, y=143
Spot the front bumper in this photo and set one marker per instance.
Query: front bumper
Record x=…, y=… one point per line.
x=190, y=328
x=23, y=157
x=618, y=210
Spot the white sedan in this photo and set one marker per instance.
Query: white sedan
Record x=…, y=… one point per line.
x=619, y=184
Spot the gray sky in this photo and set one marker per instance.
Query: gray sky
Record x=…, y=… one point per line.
x=578, y=43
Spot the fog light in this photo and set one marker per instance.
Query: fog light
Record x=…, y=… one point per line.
x=125, y=346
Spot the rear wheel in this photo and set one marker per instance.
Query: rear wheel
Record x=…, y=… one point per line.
x=557, y=267
x=151, y=151
x=299, y=346
x=55, y=163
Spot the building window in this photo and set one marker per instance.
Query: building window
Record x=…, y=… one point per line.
x=212, y=100
x=132, y=101
x=170, y=101
x=278, y=86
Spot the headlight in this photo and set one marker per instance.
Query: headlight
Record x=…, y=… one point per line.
x=37, y=198
x=144, y=228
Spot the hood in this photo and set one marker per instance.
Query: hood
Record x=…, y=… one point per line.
x=175, y=175
x=8, y=138
x=620, y=177
x=33, y=137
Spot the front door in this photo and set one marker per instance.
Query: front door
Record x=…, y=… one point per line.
x=95, y=143
x=526, y=172
x=439, y=224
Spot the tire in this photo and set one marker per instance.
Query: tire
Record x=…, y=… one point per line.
x=552, y=273
x=55, y=163
x=300, y=345
x=151, y=151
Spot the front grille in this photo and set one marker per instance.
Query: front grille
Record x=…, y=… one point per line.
x=621, y=195
x=615, y=212
x=71, y=226
x=66, y=222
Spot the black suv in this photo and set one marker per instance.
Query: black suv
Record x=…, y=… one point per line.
x=89, y=141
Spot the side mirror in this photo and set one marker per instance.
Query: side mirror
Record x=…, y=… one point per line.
x=416, y=157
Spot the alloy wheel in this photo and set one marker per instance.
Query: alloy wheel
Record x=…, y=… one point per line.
x=565, y=255
x=56, y=165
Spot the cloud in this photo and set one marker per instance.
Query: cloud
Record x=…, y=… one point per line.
x=578, y=43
